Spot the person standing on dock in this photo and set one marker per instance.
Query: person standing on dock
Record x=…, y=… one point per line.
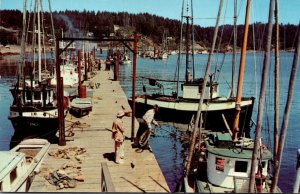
x=118, y=136
x=145, y=128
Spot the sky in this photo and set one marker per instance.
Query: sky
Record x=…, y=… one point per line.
x=204, y=11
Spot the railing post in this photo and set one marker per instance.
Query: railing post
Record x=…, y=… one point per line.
x=60, y=98
x=106, y=182
x=116, y=66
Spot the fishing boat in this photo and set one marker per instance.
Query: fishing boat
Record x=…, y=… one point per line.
x=223, y=165
x=125, y=59
x=181, y=108
x=163, y=53
x=225, y=161
x=19, y=165
x=33, y=112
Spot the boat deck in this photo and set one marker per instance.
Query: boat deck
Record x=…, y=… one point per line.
x=140, y=172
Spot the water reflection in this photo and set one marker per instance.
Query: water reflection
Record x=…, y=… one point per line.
x=169, y=153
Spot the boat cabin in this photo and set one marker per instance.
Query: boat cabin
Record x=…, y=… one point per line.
x=192, y=90
x=227, y=162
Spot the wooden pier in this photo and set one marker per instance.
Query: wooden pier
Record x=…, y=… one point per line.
x=140, y=172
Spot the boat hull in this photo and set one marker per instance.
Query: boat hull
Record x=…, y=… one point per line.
x=30, y=123
x=182, y=111
x=80, y=112
x=35, y=127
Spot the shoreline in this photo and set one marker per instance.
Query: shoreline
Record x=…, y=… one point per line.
x=11, y=50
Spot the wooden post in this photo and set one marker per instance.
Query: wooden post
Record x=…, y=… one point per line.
x=94, y=54
x=60, y=98
x=79, y=73
x=133, y=85
x=61, y=116
x=85, y=68
x=116, y=67
x=89, y=62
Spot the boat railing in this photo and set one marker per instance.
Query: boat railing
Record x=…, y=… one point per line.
x=106, y=182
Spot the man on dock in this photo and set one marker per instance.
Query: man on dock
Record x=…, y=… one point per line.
x=118, y=136
x=145, y=128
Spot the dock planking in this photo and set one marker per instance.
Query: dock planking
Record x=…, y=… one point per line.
x=94, y=134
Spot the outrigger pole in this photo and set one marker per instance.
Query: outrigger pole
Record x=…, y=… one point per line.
x=241, y=75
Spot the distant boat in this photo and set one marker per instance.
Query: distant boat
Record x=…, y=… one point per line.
x=163, y=55
x=19, y=165
x=125, y=59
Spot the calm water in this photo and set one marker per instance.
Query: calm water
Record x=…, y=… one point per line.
x=167, y=148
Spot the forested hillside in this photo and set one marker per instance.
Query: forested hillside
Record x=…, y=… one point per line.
x=101, y=24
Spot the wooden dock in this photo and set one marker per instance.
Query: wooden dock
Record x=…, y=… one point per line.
x=140, y=172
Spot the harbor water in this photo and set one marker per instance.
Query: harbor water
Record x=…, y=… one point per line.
x=166, y=143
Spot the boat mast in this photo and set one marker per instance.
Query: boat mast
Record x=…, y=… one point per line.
x=197, y=123
x=234, y=48
x=33, y=45
x=241, y=74
x=286, y=114
x=39, y=40
x=187, y=46
x=193, y=39
x=180, y=47
x=261, y=102
x=276, y=75
x=21, y=67
x=52, y=25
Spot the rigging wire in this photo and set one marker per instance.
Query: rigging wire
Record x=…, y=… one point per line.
x=43, y=28
x=219, y=45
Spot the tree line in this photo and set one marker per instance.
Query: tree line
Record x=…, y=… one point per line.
x=101, y=24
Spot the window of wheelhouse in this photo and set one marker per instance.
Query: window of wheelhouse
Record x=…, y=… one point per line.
x=13, y=175
x=37, y=95
x=28, y=95
x=241, y=166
